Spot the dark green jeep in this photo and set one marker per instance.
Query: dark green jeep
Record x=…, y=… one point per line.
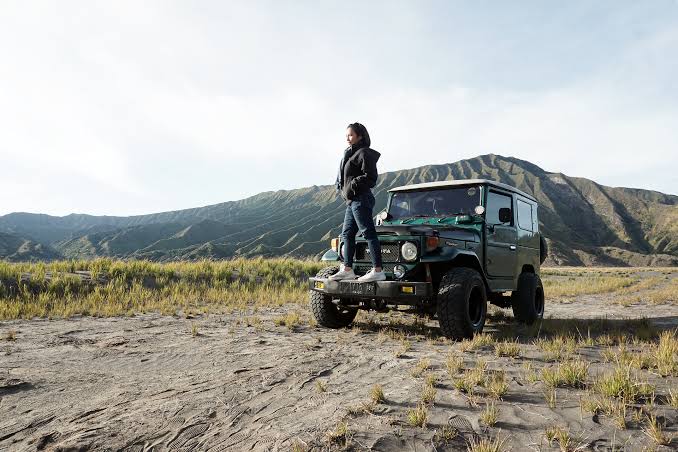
x=447, y=248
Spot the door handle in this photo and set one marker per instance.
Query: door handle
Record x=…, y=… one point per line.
x=512, y=247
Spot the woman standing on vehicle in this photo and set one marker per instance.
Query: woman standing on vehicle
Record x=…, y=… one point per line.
x=357, y=176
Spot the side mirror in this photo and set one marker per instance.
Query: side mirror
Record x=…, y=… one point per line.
x=384, y=215
x=505, y=215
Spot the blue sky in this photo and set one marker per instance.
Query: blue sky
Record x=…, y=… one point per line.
x=125, y=108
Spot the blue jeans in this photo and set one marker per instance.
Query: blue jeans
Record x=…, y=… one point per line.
x=358, y=217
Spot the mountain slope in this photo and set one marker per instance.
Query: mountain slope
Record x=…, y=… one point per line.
x=18, y=249
x=586, y=223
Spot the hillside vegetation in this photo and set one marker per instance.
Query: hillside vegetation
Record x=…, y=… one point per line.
x=586, y=223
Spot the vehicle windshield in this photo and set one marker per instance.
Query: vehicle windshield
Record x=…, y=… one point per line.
x=434, y=203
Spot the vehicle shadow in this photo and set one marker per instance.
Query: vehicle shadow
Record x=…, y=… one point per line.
x=504, y=328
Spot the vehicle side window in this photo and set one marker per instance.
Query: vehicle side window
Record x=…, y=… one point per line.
x=496, y=201
x=524, y=216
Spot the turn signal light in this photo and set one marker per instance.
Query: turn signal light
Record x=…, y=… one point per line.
x=319, y=285
x=407, y=289
x=432, y=243
x=334, y=244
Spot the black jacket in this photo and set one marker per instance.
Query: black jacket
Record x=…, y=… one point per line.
x=357, y=172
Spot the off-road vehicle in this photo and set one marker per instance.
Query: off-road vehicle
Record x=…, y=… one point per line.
x=447, y=248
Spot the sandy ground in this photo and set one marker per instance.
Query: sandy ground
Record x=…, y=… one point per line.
x=148, y=383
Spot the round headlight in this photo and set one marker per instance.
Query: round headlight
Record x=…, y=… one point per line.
x=399, y=271
x=409, y=251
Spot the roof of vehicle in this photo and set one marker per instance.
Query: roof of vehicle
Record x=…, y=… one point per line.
x=454, y=183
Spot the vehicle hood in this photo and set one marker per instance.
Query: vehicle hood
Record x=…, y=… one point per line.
x=448, y=231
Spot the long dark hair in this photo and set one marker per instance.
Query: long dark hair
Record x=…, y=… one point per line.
x=361, y=131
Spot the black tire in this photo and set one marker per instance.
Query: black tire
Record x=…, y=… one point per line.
x=528, y=301
x=543, y=249
x=324, y=310
x=461, y=303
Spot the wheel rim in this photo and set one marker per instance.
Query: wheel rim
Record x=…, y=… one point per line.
x=539, y=301
x=476, y=304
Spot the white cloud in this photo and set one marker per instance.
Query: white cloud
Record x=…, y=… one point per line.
x=156, y=106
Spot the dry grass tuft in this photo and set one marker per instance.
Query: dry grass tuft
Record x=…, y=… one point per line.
x=298, y=446
x=446, y=434
x=254, y=321
x=463, y=385
x=489, y=415
x=477, y=342
x=321, y=386
x=487, y=445
x=510, y=349
x=571, y=374
x=655, y=431
x=428, y=394
x=422, y=366
x=665, y=356
x=341, y=435
x=431, y=379
x=662, y=356
x=291, y=320
x=194, y=329
x=561, y=436
x=622, y=356
x=551, y=396
x=530, y=375
x=377, y=394
x=382, y=336
x=405, y=346
x=454, y=364
x=418, y=416
x=612, y=408
x=467, y=382
x=623, y=385
x=497, y=386
x=558, y=348
x=361, y=408
x=10, y=335
x=672, y=398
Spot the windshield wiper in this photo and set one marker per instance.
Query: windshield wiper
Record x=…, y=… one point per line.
x=410, y=218
x=440, y=217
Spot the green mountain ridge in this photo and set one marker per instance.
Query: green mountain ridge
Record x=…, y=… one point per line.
x=584, y=222
x=18, y=249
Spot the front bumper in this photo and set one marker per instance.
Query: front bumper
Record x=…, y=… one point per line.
x=400, y=291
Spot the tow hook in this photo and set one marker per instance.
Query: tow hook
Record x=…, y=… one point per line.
x=379, y=305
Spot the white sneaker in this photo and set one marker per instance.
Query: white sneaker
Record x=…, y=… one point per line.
x=343, y=274
x=372, y=276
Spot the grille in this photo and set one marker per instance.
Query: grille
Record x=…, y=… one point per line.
x=362, y=269
x=390, y=252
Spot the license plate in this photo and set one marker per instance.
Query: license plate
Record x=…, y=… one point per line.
x=355, y=288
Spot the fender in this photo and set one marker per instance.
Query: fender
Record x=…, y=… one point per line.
x=331, y=256
x=451, y=257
